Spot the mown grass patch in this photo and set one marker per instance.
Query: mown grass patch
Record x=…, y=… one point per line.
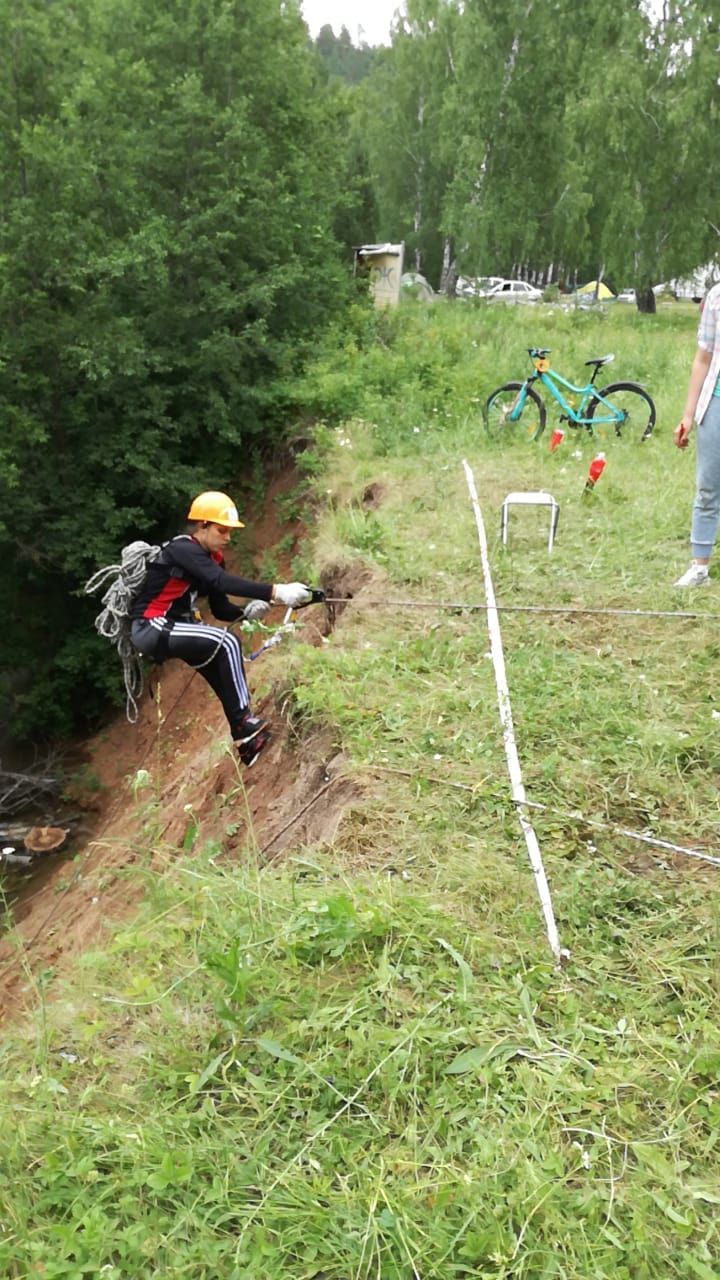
x=362, y=1063
x=307, y=1074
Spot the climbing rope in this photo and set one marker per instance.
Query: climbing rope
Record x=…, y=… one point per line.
x=570, y=815
x=463, y=606
x=112, y=623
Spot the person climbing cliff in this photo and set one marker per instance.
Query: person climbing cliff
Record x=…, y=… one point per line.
x=164, y=621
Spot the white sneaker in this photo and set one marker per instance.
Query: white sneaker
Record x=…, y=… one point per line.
x=695, y=576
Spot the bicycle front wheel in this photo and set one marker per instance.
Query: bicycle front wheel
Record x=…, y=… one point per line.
x=504, y=418
x=629, y=413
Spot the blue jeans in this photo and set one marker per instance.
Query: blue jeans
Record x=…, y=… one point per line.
x=706, y=508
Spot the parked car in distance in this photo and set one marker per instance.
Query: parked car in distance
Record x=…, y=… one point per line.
x=626, y=295
x=514, y=291
x=476, y=286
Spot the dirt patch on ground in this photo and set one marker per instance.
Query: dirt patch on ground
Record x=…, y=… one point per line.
x=295, y=794
x=172, y=781
x=341, y=583
x=373, y=494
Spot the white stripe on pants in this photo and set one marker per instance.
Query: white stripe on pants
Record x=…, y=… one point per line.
x=213, y=651
x=196, y=642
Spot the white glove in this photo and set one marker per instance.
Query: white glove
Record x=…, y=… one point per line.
x=255, y=610
x=291, y=594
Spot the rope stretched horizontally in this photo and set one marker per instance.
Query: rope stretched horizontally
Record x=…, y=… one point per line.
x=570, y=815
x=472, y=607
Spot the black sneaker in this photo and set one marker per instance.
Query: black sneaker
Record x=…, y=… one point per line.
x=249, y=751
x=248, y=728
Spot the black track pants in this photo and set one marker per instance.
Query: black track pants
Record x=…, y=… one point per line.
x=213, y=651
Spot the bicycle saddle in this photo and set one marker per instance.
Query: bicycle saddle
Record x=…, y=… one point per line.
x=540, y=352
x=601, y=360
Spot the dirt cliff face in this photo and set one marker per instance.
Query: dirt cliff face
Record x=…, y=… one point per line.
x=172, y=782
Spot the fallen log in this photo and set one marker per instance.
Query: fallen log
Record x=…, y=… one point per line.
x=19, y=791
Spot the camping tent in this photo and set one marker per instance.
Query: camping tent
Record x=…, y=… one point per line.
x=415, y=283
x=595, y=286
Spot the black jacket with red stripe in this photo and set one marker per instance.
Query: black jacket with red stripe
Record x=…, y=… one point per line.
x=182, y=572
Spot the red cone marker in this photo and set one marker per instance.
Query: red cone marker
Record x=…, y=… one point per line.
x=595, y=470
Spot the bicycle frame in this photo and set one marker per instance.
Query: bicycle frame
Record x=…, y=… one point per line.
x=549, y=377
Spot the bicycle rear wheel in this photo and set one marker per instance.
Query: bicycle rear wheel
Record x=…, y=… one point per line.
x=635, y=405
x=500, y=420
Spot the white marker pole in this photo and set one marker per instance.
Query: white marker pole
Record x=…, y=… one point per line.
x=506, y=720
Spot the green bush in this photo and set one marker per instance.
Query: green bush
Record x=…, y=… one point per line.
x=171, y=186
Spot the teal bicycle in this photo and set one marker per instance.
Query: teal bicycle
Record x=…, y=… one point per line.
x=620, y=410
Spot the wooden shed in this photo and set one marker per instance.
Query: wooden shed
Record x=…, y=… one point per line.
x=383, y=263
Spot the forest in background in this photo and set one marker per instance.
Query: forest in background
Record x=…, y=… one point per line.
x=548, y=140
x=183, y=183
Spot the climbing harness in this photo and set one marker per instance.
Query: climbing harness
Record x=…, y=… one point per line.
x=113, y=622
x=286, y=627
x=274, y=639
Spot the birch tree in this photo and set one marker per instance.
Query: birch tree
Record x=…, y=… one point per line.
x=411, y=151
x=648, y=125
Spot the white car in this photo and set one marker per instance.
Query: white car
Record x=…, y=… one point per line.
x=476, y=286
x=514, y=291
x=626, y=295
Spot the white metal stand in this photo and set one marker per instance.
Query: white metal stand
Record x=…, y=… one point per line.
x=537, y=498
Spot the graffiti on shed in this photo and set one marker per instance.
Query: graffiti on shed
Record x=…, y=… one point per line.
x=383, y=264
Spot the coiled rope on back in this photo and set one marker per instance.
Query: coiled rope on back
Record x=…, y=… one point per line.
x=113, y=622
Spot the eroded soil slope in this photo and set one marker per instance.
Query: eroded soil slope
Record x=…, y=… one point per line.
x=196, y=792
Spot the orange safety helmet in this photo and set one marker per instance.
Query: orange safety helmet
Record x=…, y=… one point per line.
x=215, y=508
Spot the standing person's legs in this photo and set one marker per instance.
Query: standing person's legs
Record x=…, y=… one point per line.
x=706, y=507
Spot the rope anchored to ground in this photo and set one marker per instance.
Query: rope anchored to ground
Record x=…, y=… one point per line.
x=463, y=606
x=568, y=815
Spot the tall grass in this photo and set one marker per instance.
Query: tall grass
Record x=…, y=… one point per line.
x=361, y=1063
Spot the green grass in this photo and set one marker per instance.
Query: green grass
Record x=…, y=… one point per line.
x=361, y=1062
